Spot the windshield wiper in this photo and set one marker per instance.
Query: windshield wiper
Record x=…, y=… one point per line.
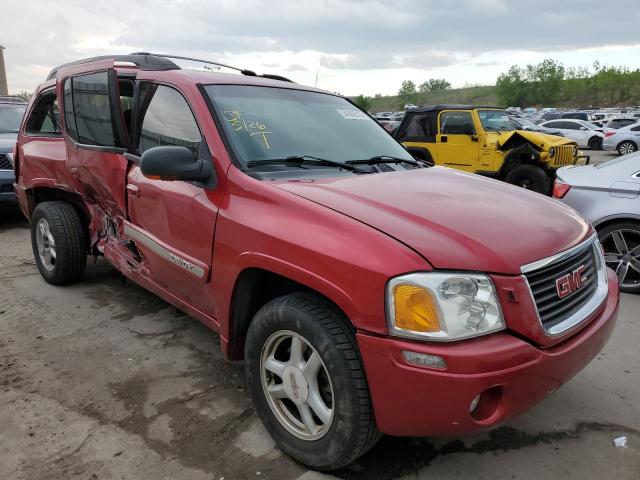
x=300, y=160
x=382, y=159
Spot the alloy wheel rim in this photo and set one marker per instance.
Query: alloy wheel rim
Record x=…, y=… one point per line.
x=626, y=148
x=622, y=254
x=46, y=245
x=297, y=385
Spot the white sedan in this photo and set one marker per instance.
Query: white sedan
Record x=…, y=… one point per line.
x=585, y=134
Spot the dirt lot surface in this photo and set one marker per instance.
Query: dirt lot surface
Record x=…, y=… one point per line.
x=102, y=380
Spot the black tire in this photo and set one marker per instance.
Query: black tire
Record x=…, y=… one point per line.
x=631, y=232
x=530, y=177
x=68, y=233
x=595, y=143
x=352, y=431
x=626, y=147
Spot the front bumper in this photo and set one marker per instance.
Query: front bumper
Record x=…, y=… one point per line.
x=419, y=401
x=7, y=194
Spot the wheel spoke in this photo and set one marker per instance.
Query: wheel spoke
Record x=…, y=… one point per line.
x=274, y=366
x=621, y=271
x=612, y=257
x=619, y=241
x=318, y=406
x=47, y=256
x=276, y=391
x=635, y=264
x=307, y=418
x=52, y=242
x=296, y=351
x=52, y=253
x=311, y=368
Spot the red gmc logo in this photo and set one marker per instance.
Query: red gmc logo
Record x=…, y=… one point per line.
x=569, y=283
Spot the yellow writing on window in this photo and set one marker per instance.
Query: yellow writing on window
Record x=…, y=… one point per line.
x=241, y=124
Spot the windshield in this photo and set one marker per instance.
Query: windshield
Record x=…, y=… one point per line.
x=265, y=123
x=589, y=125
x=496, y=120
x=10, y=117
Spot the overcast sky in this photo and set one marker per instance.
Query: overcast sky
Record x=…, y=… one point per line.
x=352, y=46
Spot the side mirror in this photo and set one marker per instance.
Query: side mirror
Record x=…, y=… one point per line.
x=583, y=129
x=174, y=163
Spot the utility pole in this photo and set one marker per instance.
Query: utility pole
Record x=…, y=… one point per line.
x=4, y=89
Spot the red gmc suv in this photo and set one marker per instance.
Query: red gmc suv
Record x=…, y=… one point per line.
x=365, y=292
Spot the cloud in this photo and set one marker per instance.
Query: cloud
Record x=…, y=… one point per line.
x=341, y=35
x=296, y=68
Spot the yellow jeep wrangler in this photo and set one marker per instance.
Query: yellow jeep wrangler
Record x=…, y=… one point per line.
x=484, y=140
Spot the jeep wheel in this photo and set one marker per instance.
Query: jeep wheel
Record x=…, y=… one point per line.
x=627, y=147
x=530, y=177
x=307, y=381
x=595, y=143
x=621, y=245
x=58, y=241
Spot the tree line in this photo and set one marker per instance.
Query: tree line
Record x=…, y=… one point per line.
x=550, y=82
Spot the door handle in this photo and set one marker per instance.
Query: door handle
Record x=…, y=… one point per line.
x=133, y=190
x=443, y=138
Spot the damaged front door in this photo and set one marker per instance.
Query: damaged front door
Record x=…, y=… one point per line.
x=96, y=135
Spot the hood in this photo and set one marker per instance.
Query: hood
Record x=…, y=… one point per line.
x=7, y=142
x=544, y=141
x=455, y=220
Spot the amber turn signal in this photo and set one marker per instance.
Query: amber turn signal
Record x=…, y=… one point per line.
x=415, y=309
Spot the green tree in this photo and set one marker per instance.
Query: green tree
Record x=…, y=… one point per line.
x=363, y=102
x=434, y=84
x=547, y=77
x=24, y=95
x=512, y=88
x=407, y=92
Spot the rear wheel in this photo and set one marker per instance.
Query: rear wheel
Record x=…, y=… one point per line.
x=307, y=381
x=530, y=177
x=627, y=147
x=59, y=243
x=621, y=245
x=595, y=143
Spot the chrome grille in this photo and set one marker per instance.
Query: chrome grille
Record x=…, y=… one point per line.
x=5, y=163
x=559, y=314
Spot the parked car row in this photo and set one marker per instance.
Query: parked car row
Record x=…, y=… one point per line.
x=366, y=292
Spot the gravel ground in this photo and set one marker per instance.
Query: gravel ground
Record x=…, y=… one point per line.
x=102, y=380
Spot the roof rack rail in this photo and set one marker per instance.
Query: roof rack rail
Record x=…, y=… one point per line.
x=158, y=62
x=250, y=73
x=144, y=61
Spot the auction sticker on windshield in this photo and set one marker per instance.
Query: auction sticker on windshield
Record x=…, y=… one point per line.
x=351, y=114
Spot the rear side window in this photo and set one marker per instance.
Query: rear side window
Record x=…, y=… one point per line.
x=88, y=110
x=420, y=127
x=45, y=116
x=168, y=120
x=635, y=129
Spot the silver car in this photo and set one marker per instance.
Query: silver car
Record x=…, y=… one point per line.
x=608, y=195
x=625, y=140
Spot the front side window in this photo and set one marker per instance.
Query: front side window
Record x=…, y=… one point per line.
x=10, y=117
x=456, y=123
x=263, y=123
x=496, y=120
x=45, y=116
x=168, y=120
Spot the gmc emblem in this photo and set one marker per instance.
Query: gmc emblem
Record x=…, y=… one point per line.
x=569, y=283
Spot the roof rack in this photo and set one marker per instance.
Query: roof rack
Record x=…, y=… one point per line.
x=158, y=62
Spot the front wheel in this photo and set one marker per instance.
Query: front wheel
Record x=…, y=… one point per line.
x=307, y=381
x=627, y=147
x=621, y=245
x=530, y=177
x=59, y=243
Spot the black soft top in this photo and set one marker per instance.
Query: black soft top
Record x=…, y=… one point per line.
x=448, y=106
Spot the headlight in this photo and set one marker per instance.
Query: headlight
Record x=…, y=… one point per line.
x=443, y=307
x=575, y=151
x=552, y=152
